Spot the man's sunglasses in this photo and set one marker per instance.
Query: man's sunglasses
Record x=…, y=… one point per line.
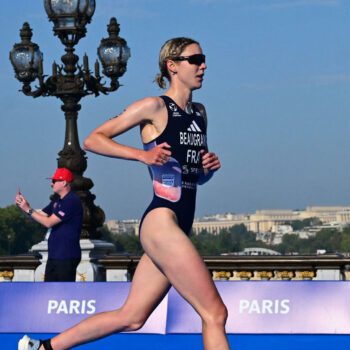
x=54, y=181
x=196, y=59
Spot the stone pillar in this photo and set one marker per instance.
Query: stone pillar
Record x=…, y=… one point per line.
x=40, y=248
x=89, y=269
x=21, y=275
x=328, y=275
x=113, y=275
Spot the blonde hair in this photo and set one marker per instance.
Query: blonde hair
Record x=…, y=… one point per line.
x=171, y=48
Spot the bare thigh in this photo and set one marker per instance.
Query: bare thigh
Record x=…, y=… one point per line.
x=149, y=287
x=174, y=254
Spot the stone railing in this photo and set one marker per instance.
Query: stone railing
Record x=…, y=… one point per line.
x=121, y=267
x=279, y=267
x=18, y=267
x=235, y=268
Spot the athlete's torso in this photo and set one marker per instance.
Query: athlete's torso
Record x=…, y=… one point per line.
x=175, y=182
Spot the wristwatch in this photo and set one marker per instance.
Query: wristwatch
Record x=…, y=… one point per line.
x=30, y=212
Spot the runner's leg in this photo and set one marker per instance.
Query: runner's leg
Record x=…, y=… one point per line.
x=173, y=252
x=148, y=288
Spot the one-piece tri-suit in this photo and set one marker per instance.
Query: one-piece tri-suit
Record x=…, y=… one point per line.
x=175, y=182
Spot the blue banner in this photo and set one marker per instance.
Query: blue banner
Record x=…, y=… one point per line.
x=274, y=307
x=54, y=307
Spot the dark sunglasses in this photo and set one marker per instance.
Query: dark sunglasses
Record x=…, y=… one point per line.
x=196, y=59
x=54, y=181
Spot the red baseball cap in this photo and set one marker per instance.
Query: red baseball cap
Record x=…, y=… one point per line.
x=63, y=174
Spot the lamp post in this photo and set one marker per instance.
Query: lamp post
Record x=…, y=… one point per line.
x=70, y=82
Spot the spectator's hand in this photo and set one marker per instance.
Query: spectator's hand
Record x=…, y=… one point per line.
x=21, y=202
x=158, y=155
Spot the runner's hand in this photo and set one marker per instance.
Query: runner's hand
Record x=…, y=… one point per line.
x=210, y=161
x=158, y=155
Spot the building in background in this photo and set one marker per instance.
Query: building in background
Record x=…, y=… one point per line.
x=269, y=225
x=117, y=227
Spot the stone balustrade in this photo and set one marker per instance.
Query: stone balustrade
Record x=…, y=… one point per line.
x=121, y=267
x=15, y=268
x=279, y=267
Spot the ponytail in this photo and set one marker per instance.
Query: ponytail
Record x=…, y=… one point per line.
x=160, y=80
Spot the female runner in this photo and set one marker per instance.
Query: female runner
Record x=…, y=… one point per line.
x=173, y=132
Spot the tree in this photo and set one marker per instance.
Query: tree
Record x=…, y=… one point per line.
x=290, y=243
x=128, y=243
x=124, y=243
x=328, y=239
x=205, y=242
x=345, y=241
x=18, y=233
x=234, y=239
x=298, y=225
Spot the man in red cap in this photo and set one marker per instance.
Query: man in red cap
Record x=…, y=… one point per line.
x=63, y=217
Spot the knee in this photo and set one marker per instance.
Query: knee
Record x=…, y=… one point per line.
x=222, y=315
x=133, y=321
x=135, y=325
x=217, y=316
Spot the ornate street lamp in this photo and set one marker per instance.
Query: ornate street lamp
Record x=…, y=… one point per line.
x=70, y=82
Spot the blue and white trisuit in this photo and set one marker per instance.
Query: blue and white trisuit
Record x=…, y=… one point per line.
x=175, y=182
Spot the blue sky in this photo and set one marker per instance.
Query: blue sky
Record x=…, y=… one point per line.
x=277, y=93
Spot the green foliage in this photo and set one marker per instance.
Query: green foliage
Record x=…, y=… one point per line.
x=126, y=243
x=18, y=233
x=345, y=240
x=237, y=238
x=298, y=225
x=332, y=240
x=291, y=243
x=230, y=240
x=205, y=243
